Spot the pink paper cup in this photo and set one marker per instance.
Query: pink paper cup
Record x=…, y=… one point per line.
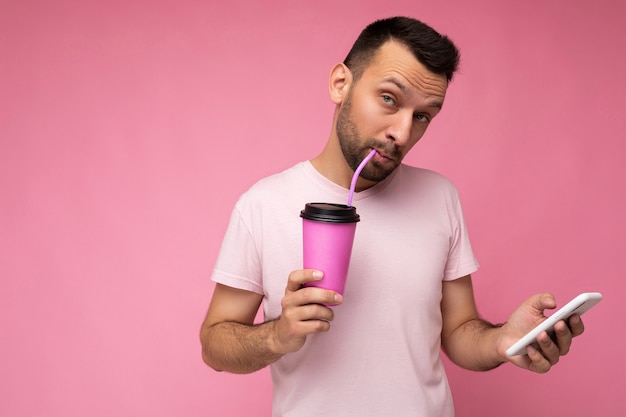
x=328, y=234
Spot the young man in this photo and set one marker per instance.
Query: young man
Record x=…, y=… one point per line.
x=409, y=291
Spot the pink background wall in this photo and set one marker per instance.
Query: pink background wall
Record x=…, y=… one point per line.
x=128, y=129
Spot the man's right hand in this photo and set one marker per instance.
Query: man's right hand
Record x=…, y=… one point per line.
x=303, y=312
x=230, y=340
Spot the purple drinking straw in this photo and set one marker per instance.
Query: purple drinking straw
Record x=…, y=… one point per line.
x=355, y=177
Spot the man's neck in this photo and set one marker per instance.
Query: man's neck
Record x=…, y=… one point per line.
x=332, y=165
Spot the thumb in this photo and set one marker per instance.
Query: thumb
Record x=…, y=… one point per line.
x=540, y=302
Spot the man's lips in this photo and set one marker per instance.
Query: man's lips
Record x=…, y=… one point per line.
x=382, y=157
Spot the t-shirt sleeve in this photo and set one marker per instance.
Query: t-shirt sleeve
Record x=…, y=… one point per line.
x=461, y=260
x=238, y=263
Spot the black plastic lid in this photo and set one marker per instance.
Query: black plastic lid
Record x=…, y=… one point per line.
x=330, y=212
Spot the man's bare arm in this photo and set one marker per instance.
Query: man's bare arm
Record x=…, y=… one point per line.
x=476, y=344
x=232, y=342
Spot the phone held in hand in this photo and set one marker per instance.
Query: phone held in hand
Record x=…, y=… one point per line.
x=578, y=305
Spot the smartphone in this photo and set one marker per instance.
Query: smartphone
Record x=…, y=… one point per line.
x=578, y=305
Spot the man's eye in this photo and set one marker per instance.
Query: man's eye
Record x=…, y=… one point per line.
x=387, y=99
x=422, y=118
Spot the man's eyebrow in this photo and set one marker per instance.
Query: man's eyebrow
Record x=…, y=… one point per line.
x=393, y=80
x=396, y=82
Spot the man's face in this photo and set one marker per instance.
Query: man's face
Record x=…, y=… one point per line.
x=388, y=109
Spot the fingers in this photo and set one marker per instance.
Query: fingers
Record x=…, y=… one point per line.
x=304, y=310
x=300, y=277
x=298, y=322
x=549, y=350
x=549, y=346
x=542, y=355
x=576, y=325
x=563, y=336
x=301, y=296
x=309, y=318
x=312, y=295
x=537, y=362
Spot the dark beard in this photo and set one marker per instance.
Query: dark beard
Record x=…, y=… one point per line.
x=355, y=150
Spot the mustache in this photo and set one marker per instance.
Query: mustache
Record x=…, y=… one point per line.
x=386, y=148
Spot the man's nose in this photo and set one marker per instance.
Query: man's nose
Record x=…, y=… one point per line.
x=400, y=128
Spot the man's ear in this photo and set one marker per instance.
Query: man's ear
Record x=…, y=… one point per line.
x=339, y=83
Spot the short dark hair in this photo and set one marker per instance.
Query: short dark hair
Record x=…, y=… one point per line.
x=433, y=50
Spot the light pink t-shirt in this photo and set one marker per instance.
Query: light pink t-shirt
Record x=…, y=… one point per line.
x=381, y=356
